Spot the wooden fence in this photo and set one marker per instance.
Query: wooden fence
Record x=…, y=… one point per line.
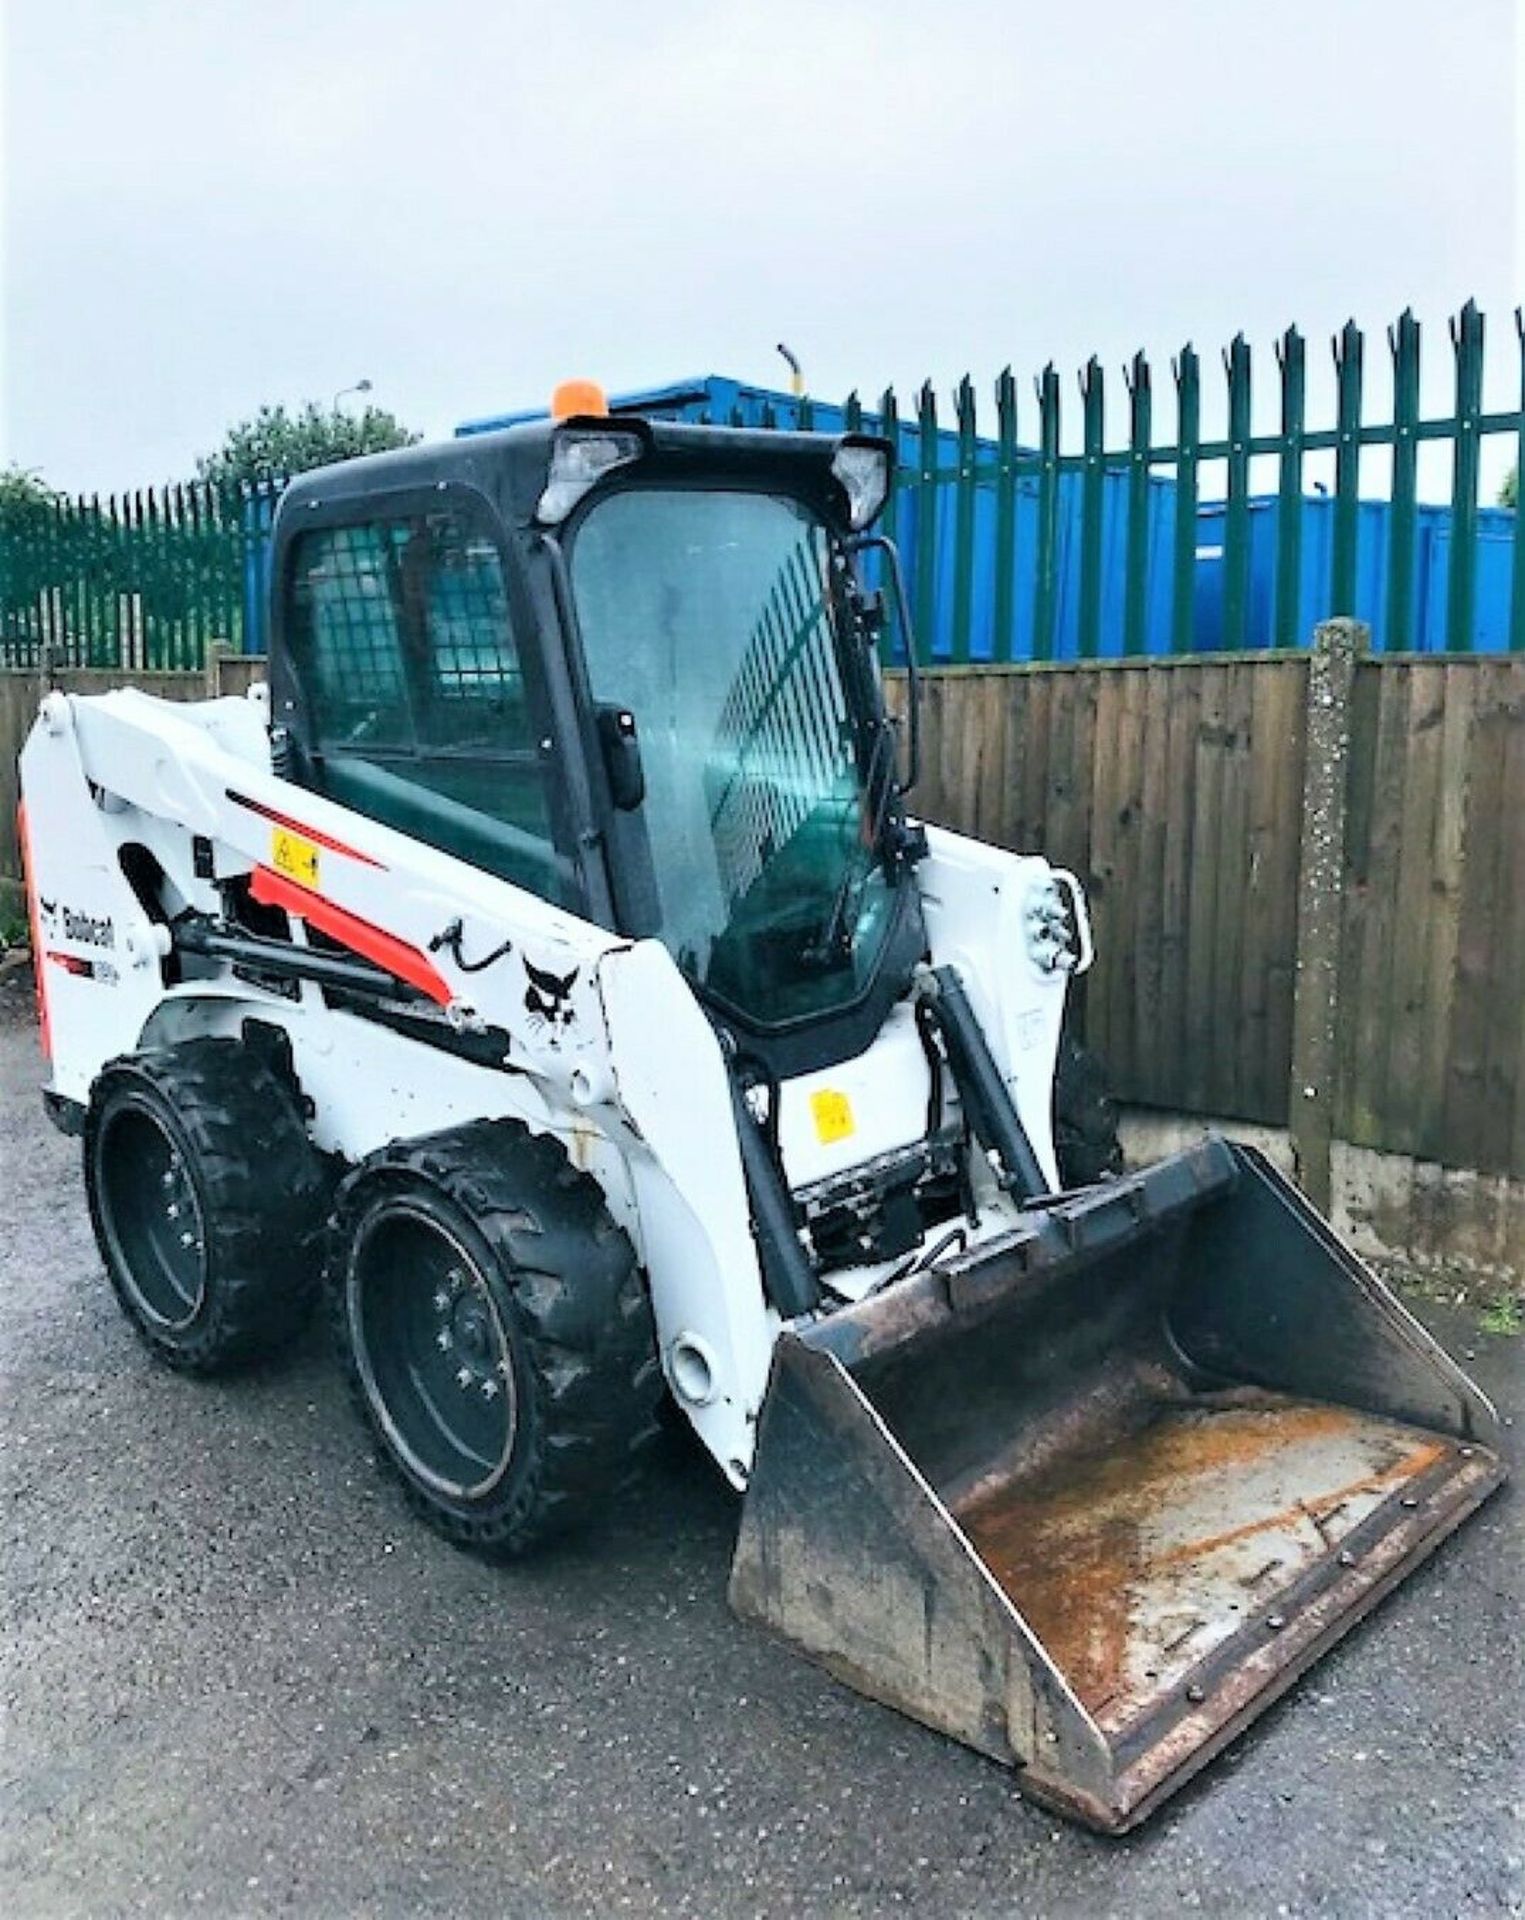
x=1183, y=793
x=1175, y=789
x=1433, y=957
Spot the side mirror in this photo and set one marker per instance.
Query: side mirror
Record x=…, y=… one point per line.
x=620, y=746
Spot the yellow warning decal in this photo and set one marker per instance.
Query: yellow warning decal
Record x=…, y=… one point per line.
x=833, y=1115
x=295, y=857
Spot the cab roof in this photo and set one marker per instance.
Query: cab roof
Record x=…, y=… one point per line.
x=511, y=464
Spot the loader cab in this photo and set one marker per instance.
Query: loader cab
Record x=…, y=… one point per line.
x=630, y=666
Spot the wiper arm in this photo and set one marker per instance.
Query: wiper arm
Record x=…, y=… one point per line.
x=881, y=790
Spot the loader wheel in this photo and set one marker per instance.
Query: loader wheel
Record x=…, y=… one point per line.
x=496, y=1330
x=207, y=1200
x=1085, y=1119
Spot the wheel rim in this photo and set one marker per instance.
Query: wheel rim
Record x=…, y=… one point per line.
x=151, y=1214
x=433, y=1352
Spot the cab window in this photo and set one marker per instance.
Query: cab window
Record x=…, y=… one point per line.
x=401, y=635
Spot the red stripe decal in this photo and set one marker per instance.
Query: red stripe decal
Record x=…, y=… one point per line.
x=371, y=943
x=43, y=1021
x=286, y=820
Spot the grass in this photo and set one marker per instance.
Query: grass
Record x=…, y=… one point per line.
x=1494, y=1301
x=13, y=927
x=1503, y=1316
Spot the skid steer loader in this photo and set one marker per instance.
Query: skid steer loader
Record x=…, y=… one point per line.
x=549, y=958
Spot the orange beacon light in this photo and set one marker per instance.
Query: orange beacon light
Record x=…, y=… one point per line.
x=578, y=397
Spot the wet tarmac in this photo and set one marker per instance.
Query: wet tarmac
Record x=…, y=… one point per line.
x=236, y=1677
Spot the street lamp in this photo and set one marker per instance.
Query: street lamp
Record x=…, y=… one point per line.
x=360, y=386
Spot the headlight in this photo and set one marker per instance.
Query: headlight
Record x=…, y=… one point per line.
x=863, y=472
x=578, y=462
x=1052, y=943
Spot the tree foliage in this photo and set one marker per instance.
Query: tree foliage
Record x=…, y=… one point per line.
x=277, y=442
x=1509, y=493
x=22, y=495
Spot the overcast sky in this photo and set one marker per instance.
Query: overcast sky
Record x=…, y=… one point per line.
x=214, y=203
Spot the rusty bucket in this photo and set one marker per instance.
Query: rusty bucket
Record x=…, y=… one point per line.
x=1092, y=1496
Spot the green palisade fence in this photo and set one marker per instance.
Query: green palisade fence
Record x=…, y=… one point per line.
x=1195, y=532
x=144, y=580
x=1054, y=534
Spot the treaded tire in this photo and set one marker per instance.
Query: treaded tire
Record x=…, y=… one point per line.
x=205, y=1128
x=492, y=1222
x=1086, y=1144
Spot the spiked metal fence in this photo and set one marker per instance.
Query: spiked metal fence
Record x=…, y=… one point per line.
x=1063, y=547
x=1038, y=532
x=143, y=580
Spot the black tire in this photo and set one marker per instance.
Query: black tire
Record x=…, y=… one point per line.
x=1085, y=1119
x=207, y=1200
x=496, y=1331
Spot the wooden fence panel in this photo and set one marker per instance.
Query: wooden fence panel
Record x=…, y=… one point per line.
x=1208, y=1057
x=1174, y=788
x=1434, y=1062
x=1267, y=975
x=1170, y=787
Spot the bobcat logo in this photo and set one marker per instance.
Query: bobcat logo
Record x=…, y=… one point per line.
x=548, y=1001
x=49, y=913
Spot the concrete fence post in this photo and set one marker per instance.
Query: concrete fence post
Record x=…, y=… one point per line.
x=1338, y=646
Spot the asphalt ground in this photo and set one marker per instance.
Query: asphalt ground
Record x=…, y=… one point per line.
x=236, y=1677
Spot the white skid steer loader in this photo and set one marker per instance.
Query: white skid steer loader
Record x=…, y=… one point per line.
x=548, y=958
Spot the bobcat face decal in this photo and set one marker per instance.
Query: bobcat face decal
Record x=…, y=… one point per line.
x=548, y=999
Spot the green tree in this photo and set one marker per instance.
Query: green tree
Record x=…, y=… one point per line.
x=22, y=496
x=1509, y=493
x=277, y=442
